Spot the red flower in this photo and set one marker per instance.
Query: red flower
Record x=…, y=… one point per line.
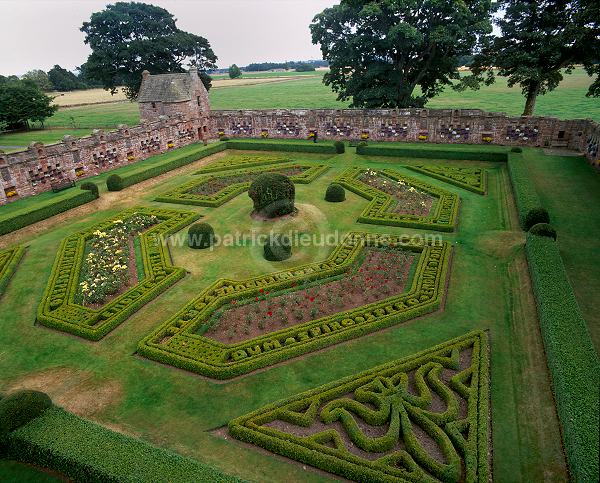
x=257, y=299
x=312, y=299
x=269, y=313
x=261, y=290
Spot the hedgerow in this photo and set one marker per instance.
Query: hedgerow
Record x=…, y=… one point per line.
x=381, y=397
x=28, y=216
x=305, y=147
x=526, y=198
x=472, y=179
x=84, y=451
x=543, y=229
x=172, y=163
x=424, y=152
x=58, y=309
x=9, y=260
x=176, y=343
x=443, y=218
x=93, y=187
x=183, y=194
x=20, y=407
x=572, y=359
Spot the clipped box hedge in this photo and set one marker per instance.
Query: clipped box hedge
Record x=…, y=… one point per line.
x=170, y=164
x=9, y=260
x=305, y=147
x=572, y=359
x=84, y=451
x=28, y=216
x=431, y=153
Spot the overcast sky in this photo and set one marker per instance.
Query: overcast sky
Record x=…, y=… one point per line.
x=36, y=34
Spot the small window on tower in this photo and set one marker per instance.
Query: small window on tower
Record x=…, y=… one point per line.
x=154, y=105
x=198, y=99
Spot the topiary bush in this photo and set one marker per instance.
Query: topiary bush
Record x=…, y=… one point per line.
x=535, y=216
x=114, y=183
x=516, y=150
x=20, y=407
x=91, y=187
x=543, y=229
x=273, y=195
x=340, y=147
x=201, y=235
x=335, y=193
x=278, y=247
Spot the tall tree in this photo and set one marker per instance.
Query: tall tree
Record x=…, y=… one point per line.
x=540, y=41
x=128, y=38
x=22, y=102
x=39, y=78
x=64, y=80
x=380, y=51
x=234, y=72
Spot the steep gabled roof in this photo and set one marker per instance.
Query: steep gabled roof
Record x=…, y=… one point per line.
x=166, y=88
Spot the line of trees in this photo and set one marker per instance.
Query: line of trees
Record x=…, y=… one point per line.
x=59, y=79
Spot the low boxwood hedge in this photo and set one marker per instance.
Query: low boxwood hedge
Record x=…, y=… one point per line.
x=528, y=203
x=436, y=153
x=20, y=407
x=305, y=147
x=543, y=229
x=85, y=451
x=9, y=260
x=28, y=216
x=572, y=358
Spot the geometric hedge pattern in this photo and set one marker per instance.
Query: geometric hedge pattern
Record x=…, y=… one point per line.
x=421, y=418
x=442, y=218
x=9, y=259
x=184, y=194
x=472, y=179
x=176, y=341
x=58, y=308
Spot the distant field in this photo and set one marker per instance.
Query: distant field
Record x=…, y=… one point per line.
x=264, y=90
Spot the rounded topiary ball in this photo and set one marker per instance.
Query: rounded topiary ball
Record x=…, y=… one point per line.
x=20, y=407
x=340, y=147
x=91, y=187
x=278, y=248
x=273, y=195
x=335, y=193
x=535, y=216
x=543, y=229
x=201, y=235
x=114, y=183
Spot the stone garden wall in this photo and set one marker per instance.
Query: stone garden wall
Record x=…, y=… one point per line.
x=33, y=171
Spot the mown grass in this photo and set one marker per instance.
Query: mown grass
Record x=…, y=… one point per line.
x=178, y=410
x=306, y=90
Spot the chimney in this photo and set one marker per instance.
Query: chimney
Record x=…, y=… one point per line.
x=145, y=75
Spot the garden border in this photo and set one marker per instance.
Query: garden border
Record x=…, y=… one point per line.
x=479, y=188
x=7, y=270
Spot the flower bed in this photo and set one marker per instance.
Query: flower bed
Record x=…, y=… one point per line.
x=376, y=275
x=472, y=179
x=442, y=215
x=215, y=189
x=109, y=263
x=385, y=424
x=59, y=309
x=177, y=343
x=9, y=259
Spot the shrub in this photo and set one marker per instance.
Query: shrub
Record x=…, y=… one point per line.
x=572, y=359
x=543, y=229
x=516, y=150
x=322, y=148
x=114, y=183
x=273, y=195
x=91, y=187
x=535, y=216
x=431, y=152
x=201, y=235
x=526, y=197
x=340, y=147
x=278, y=248
x=20, y=407
x=335, y=193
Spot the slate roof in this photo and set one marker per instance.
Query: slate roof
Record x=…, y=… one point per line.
x=166, y=88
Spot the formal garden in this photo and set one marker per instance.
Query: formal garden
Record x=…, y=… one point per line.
x=258, y=310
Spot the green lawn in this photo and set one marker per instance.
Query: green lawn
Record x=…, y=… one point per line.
x=488, y=289
x=306, y=90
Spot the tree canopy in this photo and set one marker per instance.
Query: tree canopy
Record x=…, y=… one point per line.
x=380, y=51
x=39, y=78
x=22, y=102
x=540, y=41
x=128, y=38
x=234, y=72
x=64, y=80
